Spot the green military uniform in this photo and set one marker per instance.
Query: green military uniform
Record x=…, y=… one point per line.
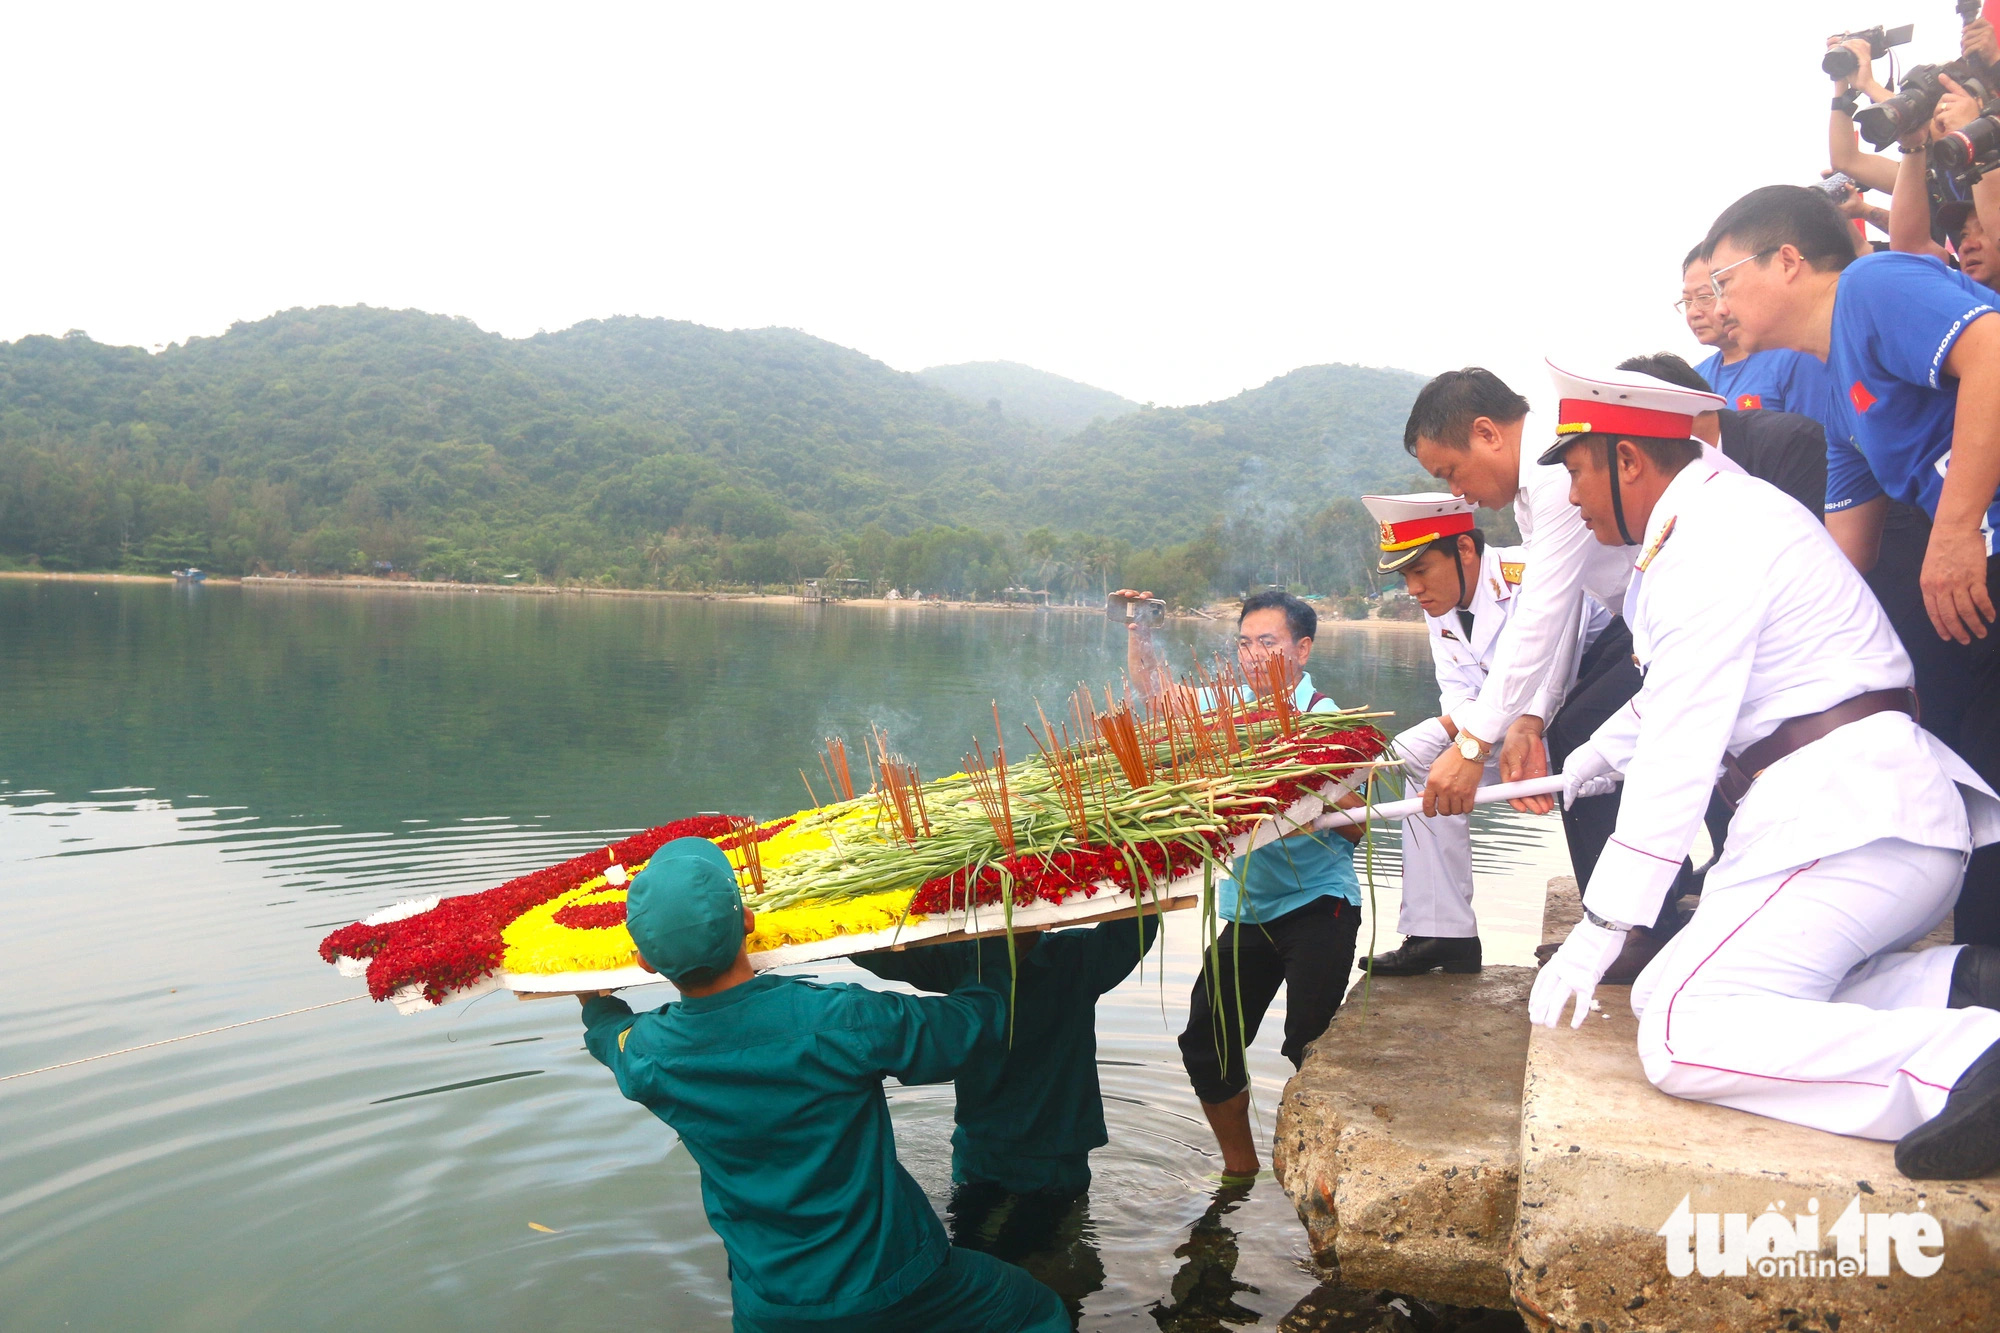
x=775, y=1086
x=1029, y=1116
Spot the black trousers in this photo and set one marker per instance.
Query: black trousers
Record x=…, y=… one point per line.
x=1309, y=951
x=1958, y=694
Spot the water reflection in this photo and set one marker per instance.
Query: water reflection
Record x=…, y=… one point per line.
x=194, y=790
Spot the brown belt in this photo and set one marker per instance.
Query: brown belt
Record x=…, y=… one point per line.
x=1795, y=733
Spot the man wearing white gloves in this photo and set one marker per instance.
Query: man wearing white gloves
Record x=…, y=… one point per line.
x=1769, y=663
x=1466, y=589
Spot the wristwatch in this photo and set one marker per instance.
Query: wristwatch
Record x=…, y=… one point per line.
x=1471, y=747
x=1598, y=921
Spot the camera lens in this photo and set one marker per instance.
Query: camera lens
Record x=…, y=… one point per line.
x=1978, y=141
x=1883, y=123
x=1839, y=63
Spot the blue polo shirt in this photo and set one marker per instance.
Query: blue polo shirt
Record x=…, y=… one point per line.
x=1896, y=318
x=1285, y=875
x=1778, y=380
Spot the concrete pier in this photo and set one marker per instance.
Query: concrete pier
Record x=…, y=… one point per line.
x=1399, y=1138
x=1434, y=1144
x=1606, y=1159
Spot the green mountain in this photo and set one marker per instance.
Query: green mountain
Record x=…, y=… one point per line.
x=643, y=451
x=1059, y=406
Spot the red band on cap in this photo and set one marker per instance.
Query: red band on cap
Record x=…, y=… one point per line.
x=1413, y=532
x=1622, y=419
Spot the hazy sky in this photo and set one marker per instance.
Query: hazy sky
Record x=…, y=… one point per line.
x=1174, y=202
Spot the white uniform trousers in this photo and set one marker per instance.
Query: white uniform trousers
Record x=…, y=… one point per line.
x=1789, y=995
x=1437, y=872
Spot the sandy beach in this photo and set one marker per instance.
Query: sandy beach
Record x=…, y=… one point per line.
x=1215, y=611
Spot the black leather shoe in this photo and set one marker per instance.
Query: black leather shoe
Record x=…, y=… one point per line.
x=1961, y=1142
x=1419, y=954
x=1975, y=978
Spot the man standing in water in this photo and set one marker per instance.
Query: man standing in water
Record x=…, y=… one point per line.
x=775, y=1086
x=1293, y=907
x=1029, y=1110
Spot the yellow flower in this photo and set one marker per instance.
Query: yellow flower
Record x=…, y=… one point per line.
x=806, y=925
x=538, y=944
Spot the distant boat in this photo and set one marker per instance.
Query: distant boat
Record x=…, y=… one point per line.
x=189, y=575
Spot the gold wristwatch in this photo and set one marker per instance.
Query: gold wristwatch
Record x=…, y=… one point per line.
x=1471, y=747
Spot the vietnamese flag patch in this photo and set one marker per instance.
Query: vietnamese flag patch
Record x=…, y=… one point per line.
x=1750, y=402
x=1860, y=397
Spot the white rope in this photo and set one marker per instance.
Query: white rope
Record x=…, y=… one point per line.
x=67, y=1064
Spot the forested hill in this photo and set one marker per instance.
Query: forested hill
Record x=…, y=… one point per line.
x=1060, y=406
x=625, y=450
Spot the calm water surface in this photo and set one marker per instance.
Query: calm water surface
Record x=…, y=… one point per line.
x=197, y=784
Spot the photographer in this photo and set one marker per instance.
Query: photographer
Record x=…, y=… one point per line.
x=1917, y=362
x=1871, y=171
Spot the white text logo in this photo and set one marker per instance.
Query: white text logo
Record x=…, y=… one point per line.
x=1777, y=1244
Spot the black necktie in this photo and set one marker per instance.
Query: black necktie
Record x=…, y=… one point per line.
x=1465, y=621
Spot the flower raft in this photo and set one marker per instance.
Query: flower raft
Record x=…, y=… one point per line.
x=1128, y=810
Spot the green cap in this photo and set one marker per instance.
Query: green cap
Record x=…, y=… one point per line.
x=684, y=909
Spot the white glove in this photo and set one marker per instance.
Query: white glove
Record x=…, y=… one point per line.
x=1420, y=746
x=1586, y=773
x=1573, y=972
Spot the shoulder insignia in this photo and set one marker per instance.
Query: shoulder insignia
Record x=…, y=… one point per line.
x=1513, y=570
x=1658, y=542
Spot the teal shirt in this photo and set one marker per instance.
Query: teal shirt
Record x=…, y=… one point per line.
x=1285, y=875
x=1029, y=1116
x=775, y=1086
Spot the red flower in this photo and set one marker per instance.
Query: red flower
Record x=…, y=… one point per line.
x=458, y=942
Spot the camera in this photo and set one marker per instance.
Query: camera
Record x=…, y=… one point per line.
x=1970, y=152
x=1131, y=607
x=1839, y=62
x=1906, y=112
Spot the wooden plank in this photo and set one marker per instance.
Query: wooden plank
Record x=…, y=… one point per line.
x=1178, y=904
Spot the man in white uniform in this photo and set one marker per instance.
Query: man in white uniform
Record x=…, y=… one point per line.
x=1465, y=429
x=1467, y=590
x=1768, y=661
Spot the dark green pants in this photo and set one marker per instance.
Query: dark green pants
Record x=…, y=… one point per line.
x=969, y=1293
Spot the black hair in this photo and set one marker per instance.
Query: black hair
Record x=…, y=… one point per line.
x=1300, y=619
x=1666, y=366
x=1478, y=541
x=1446, y=407
x=1665, y=453
x=1692, y=255
x=1794, y=215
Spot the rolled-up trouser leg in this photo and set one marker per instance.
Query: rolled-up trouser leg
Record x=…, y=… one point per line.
x=1758, y=1003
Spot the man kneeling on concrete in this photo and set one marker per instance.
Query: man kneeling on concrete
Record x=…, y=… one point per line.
x=1791, y=993
x=1467, y=590
x=775, y=1086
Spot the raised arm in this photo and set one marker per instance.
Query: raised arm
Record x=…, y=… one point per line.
x=916, y=1038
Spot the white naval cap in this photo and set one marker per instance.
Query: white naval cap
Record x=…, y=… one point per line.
x=1623, y=402
x=1410, y=523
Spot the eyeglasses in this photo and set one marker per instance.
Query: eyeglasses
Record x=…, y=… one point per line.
x=1699, y=301
x=1715, y=278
